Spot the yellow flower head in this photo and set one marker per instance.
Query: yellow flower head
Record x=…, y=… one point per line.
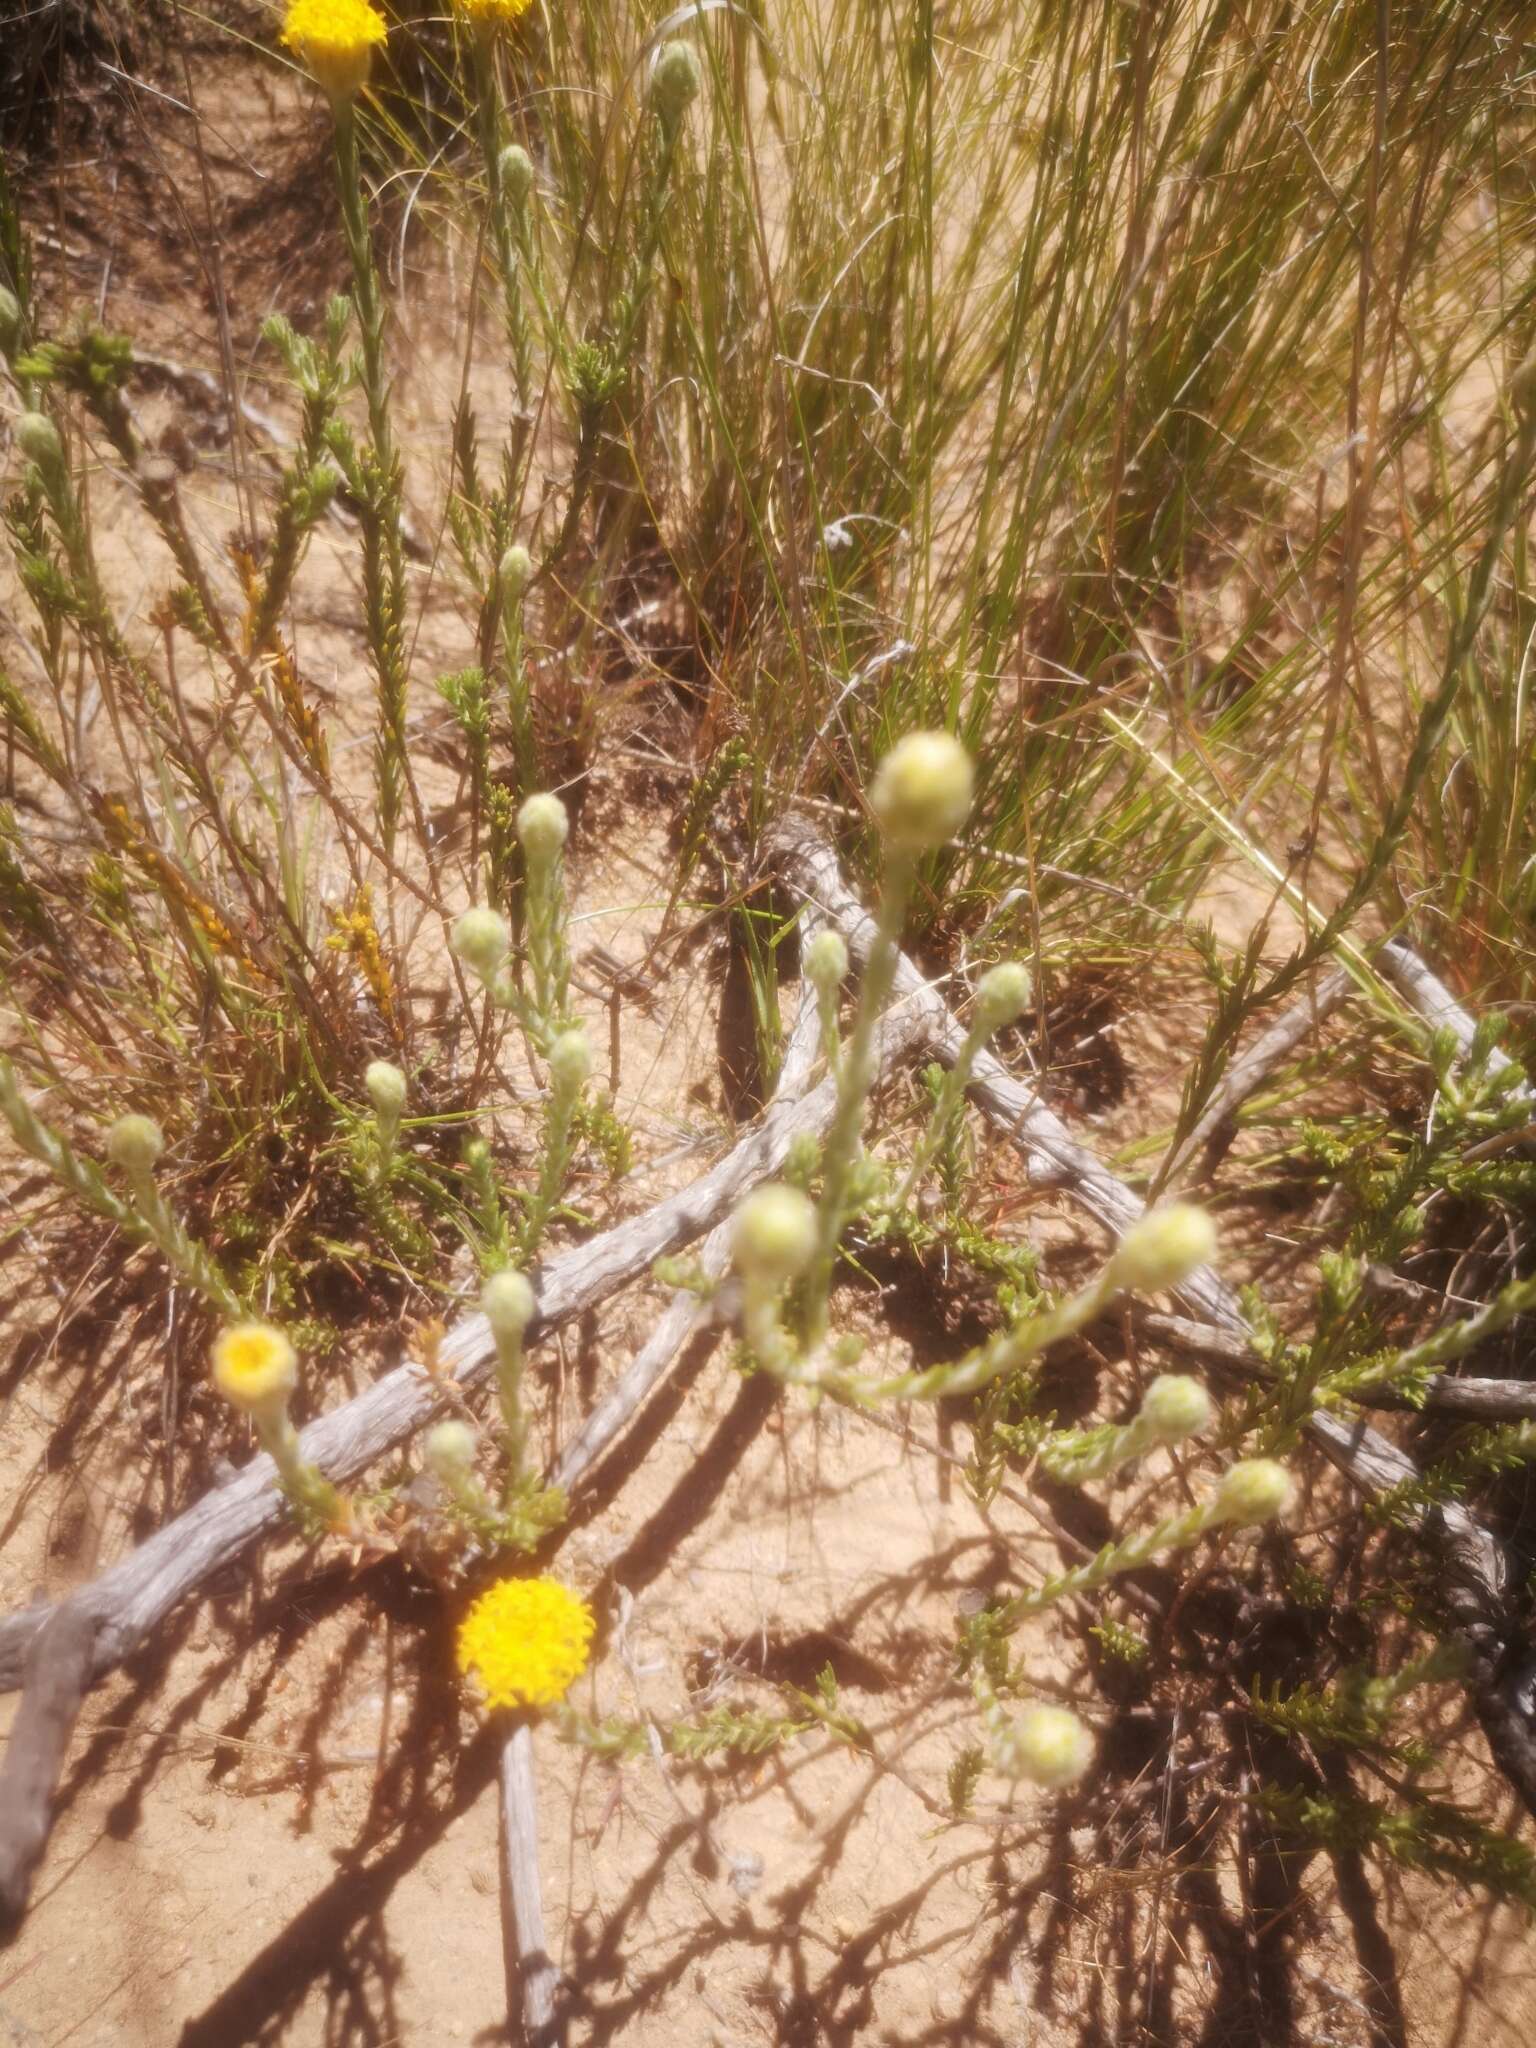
x=491, y=12
x=525, y=1642
x=254, y=1366
x=335, y=39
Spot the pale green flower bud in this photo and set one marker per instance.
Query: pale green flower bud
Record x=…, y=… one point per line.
x=1164, y=1247
x=542, y=827
x=570, y=1060
x=507, y=1302
x=1049, y=1746
x=10, y=318
x=826, y=960
x=482, y=941
x=923, y=790
x=1522, y=387
x=675, y=83
x=774, y=1234
x=515, y=169
x=1176, y=1406
x=1002, y=994
x=38, y=439
x=135, y=1143
x=450, y=1452
x=1254, y=1490
x=386, y=1088
x=515, y=571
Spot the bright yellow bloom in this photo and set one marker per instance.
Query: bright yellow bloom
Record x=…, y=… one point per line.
x=491, y=11
x=336, y=40
x=525, y=1642
x=254, y=1366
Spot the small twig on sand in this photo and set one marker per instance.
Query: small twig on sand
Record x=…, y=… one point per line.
x=533, y=1981
x=1251, y=1069
x=58, y=1675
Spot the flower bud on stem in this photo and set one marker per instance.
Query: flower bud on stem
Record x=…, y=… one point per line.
x=508, y=1304
x=1175, y=1407
x=1248, y=1493
x=1002, y=996
x=256, y=1370
x=386, y=1091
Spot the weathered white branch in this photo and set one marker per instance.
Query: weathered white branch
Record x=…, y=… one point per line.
x=533, y=1981
x=128, y=1600
x=1053, y=1156
x=1479, y=1400
x=1253, y=1067
x=1423, y=990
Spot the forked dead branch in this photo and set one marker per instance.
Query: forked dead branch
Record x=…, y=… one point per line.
x=97, y=1627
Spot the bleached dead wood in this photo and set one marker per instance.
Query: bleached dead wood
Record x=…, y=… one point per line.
x=1479, y=1400
x=110, y=1616
x=1478, y=1574
x=1252, y=1068
x=533, y=1981
x=1423, y=990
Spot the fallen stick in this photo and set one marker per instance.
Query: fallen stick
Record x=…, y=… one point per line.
x=533, y=1981
x=1480, y=1400
x=1479, y=1574
x=57, y=1675
x=1423, y=990
x=1251, y=1069
x=112, y=1614
x=685, y=1312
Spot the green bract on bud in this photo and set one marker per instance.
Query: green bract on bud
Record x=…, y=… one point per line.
x=515, y=571
x=507, y=1302
x=450, y=1451
x=570, y=1059
x=675, y=83
x=1176, y=1406
x=826, y=960
x=1049, y=1746
x=1522, y=387
x=482, y=941
x=38, y=439
x=515, y=169
x=1252, y=1491
x=386, y=1088
x=135, y=1143
x=1164, y=1247
x=774, y=1235
x=10, y=318
x=542, y=827
x=922, y=790
x=1002, y=994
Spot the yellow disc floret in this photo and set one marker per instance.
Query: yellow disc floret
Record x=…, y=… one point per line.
x=335, y=40
x=525, y=1642
x=254, y=1366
